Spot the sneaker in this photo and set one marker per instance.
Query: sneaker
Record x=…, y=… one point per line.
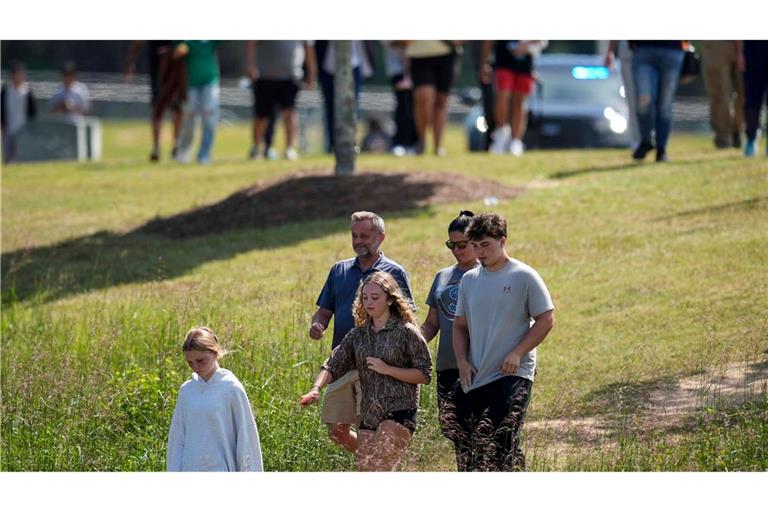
x=722, y=144
x=516, y=147
x=441, y=151
x=661, y=156
x=642, y=150
x=750, y=148
x=182, y=156
x=500, y=139
x=291, y=154
x=154, y=156
x=254, y=154
x=736, y=141
x=271, y=154
x=398, y=151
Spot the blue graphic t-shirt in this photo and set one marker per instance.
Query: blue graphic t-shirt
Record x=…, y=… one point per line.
x=443, y=296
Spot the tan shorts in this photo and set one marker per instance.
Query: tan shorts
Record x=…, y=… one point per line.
x=341, y=403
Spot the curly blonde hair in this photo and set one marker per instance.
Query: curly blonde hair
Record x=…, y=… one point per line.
x=399, y=307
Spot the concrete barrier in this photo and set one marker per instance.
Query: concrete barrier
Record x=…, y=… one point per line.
x=59, y=139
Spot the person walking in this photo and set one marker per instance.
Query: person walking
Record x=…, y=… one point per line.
x=504, y=311
x=341, y=404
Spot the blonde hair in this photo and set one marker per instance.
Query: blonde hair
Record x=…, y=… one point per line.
x=204, y=340
x=377, y=221
x=399, y=307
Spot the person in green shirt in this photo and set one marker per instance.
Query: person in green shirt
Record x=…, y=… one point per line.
x=202, y=63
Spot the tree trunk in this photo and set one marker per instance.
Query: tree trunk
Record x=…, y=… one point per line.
x=344, y=106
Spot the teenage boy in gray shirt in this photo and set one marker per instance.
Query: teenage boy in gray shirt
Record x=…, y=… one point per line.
x=503, y=313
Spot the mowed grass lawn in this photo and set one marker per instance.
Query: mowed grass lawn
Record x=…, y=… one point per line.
x=657, y=271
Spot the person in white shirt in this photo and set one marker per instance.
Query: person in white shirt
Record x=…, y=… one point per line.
x=71, y=97
x=213, y=428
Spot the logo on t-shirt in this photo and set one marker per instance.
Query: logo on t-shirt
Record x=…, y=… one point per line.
x=447, y=299
x=508, y=289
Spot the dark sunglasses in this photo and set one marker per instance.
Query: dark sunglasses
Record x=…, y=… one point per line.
x=452, y=245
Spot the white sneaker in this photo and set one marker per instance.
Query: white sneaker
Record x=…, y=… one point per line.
x=500, y=139
x=398, y=151
x=516, y=147
x=270, y=153
x=291, y=154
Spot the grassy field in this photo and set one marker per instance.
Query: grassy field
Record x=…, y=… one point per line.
x=657, y=271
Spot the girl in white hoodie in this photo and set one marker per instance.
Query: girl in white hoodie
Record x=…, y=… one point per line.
x=213, y=427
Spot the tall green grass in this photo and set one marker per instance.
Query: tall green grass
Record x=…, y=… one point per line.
x=657, y=272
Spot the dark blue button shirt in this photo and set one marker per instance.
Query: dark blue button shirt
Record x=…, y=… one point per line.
x=338, y=294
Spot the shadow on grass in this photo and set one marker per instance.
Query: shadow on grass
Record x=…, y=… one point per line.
x=265, y=216
x=755, y=203
x=593, y=169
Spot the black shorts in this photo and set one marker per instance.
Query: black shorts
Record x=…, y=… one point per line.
x=268, y=94
x=405, y=417
x=435, y=71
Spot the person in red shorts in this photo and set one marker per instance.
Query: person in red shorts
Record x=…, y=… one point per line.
x=513, y=82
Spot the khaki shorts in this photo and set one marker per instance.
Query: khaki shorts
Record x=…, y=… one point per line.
x=341, y=403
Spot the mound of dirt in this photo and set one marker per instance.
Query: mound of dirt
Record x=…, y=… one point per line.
x=322, y=195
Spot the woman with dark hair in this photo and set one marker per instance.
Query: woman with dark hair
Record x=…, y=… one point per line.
x=442, y=307
x=392, y=359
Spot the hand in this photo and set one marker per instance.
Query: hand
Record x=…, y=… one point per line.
x=310, y=398
x=404, y=84
x=377, y=365
x=251, y=72
x=316, y=330
x=486, y=74
x=741, y=63
x=466, y=372
x=608, y=62
x=510, y=364
x=128, y=73
x=181, y=51
x=521, y=49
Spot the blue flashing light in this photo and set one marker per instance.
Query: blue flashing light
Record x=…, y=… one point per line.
x=590, y=72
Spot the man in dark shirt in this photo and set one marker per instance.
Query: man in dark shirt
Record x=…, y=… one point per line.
x=342, y=398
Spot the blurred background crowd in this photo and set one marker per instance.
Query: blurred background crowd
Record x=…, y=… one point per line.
x=509, y=96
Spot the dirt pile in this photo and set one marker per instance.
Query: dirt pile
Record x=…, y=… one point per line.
x=322, y=195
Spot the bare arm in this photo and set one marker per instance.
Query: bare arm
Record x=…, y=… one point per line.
x=130, y=61
x=460, y=347
x=535, y=335
x=311, y=59
x=408, y=375
x=484, y=68
x=741, y=64
x=431, y=325
x=610, y=53
x=319, y=323
x=250, y=59
x=323, y=379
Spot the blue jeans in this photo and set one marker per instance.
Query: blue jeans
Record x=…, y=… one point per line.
x=202, y=101
x=656, y=72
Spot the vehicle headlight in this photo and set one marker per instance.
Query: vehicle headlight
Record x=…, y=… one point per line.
x=617, y=122
x=481, y=125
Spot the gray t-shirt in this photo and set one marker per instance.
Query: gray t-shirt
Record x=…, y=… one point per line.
x=280, y=60
x=443, y=297
x=499, y=308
